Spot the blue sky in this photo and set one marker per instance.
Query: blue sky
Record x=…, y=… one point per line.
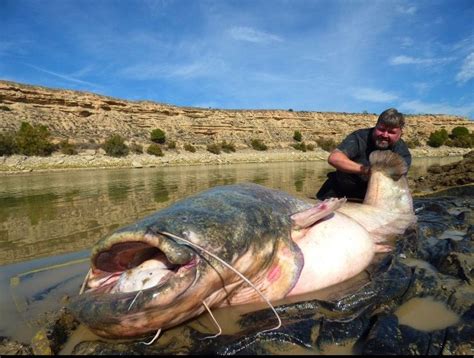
x=314, y=55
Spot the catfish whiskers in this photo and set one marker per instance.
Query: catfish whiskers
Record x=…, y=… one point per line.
x=233, y=269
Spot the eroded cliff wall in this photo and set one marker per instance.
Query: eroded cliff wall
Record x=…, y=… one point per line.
x=82, y=116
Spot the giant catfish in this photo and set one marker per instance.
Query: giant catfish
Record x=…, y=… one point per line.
x=144, y=279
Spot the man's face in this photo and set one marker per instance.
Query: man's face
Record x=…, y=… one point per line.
x=385, y=136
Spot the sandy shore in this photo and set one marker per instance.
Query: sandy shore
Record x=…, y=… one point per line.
x=92, y=159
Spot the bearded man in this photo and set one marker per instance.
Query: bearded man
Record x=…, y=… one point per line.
x=351, y=157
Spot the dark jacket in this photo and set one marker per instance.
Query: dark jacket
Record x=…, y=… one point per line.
x=357, y=146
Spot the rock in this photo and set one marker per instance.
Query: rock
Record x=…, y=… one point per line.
x=11, y=347
x=50, y=339
x=445, y=176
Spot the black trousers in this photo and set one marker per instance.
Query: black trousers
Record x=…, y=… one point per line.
x=339, y=185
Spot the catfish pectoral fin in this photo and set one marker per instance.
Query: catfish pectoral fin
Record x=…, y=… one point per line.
x=308, y=217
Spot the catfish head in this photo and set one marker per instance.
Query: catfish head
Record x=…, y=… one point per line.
x=143, y=278
x=134, y=276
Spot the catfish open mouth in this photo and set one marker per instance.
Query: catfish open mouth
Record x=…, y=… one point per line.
x=136, y=265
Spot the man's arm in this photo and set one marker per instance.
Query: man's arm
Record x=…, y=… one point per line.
x=341, y=161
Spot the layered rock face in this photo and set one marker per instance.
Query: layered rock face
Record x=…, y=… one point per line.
x=82, y=117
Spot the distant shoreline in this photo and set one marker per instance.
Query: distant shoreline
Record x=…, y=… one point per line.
x=18, y=164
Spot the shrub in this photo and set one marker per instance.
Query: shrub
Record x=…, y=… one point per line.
x=297, y=136
x=299, y=146
x=189, y=148
x=7, y=144
x=459, y=132
x=327, y=144
x=158, y=136
x=67, y=148
x=172, y=145
x=136, y=148
x=227, y=147
x=214, y=148
x=461, y=142
x=310, y=147
x=155, y=149
x=437, y=138
x=33, y=140
x=115, y=146
x=257, y=144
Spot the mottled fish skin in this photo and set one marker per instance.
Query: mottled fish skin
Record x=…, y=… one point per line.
x=250, y=227
x=247, y=225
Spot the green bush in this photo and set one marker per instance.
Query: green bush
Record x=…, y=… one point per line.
x=172, y=145
x=461, y=142
x=136, y=148
x=299, y=146
x=155, y=149
x=227, y=147
x=7, y=144
x=327, y=144
x=297, y=136
x=214, y=148
x=189, y=147
x=67, y=148
x=33, y=140
x=115, y=146
x=257, y=144
x=158, y=136
x=437, y=138
x=459, y=132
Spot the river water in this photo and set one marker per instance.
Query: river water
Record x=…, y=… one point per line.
x=45, y=214
x=49, y=221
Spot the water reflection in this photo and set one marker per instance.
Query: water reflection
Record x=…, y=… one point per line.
x=44, y=214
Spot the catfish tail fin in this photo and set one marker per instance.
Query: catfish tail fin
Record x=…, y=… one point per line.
x=388, y=162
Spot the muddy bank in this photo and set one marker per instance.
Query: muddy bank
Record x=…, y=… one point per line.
x=96, y=159
x=440, y=177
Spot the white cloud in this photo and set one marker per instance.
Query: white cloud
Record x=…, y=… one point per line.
x=147, y=71
x=422, y=87
x=407, y=60
x=467, y=70
x=251, y=35
x=435, y=108
x=407, y=10
x=373, y=95
x=406, y=41
x=64, y=77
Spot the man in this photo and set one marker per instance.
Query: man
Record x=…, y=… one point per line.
x=351, y=157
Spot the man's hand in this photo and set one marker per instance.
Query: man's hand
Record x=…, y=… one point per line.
x=365, y=172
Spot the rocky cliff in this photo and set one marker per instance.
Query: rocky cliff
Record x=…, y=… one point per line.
x=82, y=117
